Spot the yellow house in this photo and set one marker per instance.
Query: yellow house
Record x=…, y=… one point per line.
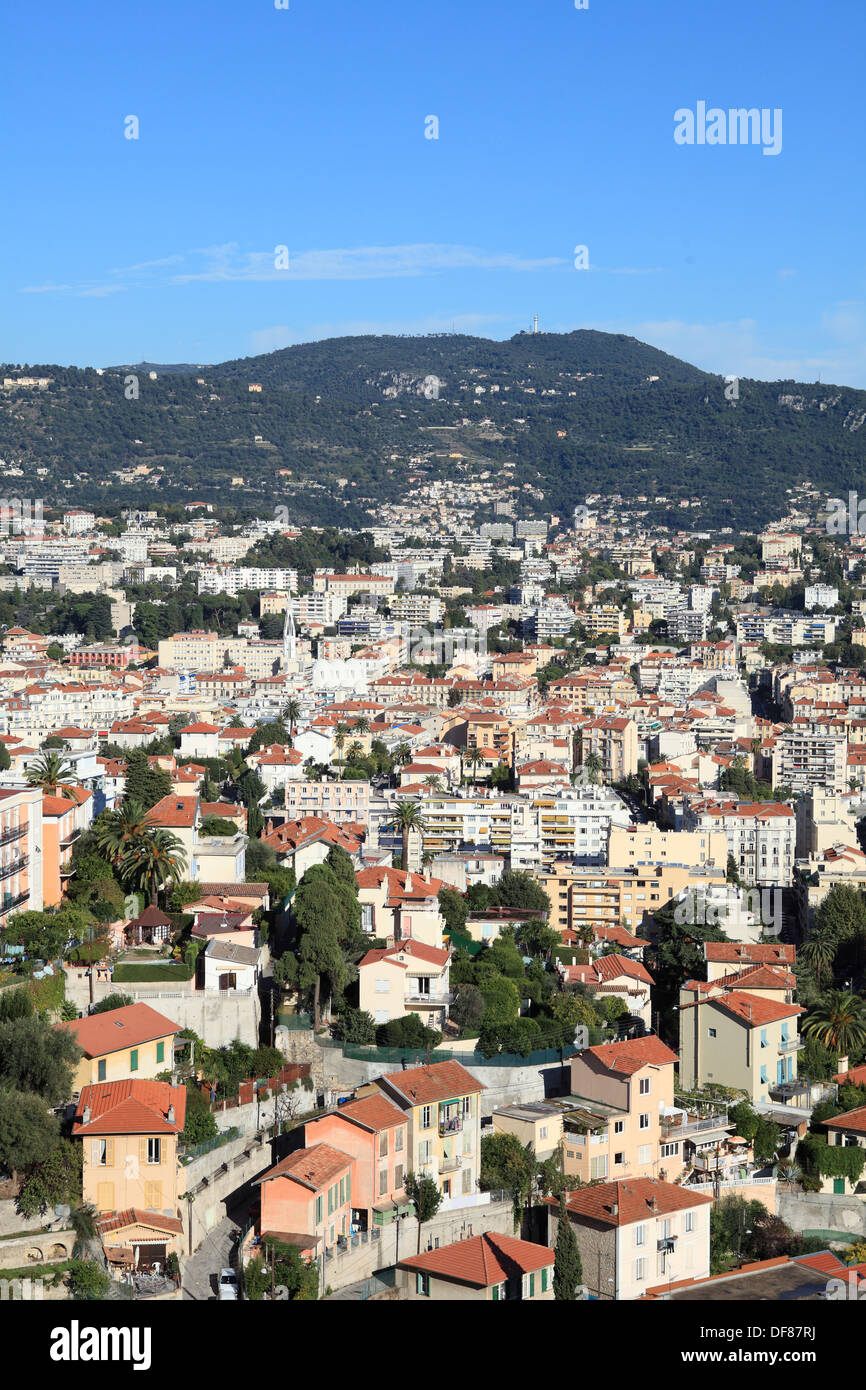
x=134, y=1041
x=743, y=1040
x=534, y=1122
x=443, y=1104
x=129, y=1132
x=621, y=1092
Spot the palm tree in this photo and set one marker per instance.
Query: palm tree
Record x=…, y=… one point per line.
x=153, y=860
x=118, y=829
x=407, y=817
x=838, y=1021
x=402, y=754
x=820, y=951
x=354, y=752
x=292, y=712
x=82, y=1220
x=340, y=733
x=54, y=775
x=361, y=724
x=434, y=783
x=474, y=757
x=593, y=766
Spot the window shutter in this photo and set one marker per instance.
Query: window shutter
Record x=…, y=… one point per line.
x=142, y=1150
x=94, y=1152
x=109, y=1152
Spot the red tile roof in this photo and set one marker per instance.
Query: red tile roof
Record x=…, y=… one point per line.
x=313, y=1168
x=632, y=1054
x=119, y=1028
x=130, y=1107
x=632, y=1198
x=439, y=1081
x=373, y=1112
x=483, y=1260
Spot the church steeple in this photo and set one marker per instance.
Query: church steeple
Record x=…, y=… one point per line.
x=290, y=646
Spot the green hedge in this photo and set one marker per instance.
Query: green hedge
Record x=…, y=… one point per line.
x=152, y=974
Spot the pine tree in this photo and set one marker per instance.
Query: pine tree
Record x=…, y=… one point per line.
x=567, y=1268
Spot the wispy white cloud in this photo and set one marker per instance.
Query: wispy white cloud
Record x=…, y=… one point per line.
x=228, y=263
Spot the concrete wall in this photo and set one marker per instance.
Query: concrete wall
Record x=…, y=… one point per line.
x=359, y=1262
x=220, y=1181
x=821, y=1211
x=218, y=1018
x=37, y=1249
x=330, y=1070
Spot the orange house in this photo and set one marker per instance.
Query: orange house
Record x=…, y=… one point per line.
x=307, y=1198
x=64, y=820
x=375, y=1133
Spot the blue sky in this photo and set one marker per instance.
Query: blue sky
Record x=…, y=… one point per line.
x=305, y=128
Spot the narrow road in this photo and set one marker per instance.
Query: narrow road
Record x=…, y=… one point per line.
x=216, y=1252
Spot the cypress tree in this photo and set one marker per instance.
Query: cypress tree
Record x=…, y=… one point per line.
x=567, y=1268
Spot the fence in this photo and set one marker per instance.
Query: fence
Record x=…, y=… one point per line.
x=294, y=1022
x=247, y=1091
x=418, y=1056
x=209, y=1144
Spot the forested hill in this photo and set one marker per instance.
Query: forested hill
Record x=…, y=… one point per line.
x=338, y=426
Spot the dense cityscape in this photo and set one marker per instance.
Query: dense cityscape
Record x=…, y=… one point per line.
x=469, y=908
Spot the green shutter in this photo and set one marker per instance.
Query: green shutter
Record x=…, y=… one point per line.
x=133, y=1059
x=318, y=1210
x=100, y=1070
x=532, y=1285
x=495, y=1293
x=160, y=1052
x=544, y=1281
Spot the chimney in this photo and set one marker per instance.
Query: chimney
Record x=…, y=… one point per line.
x=170, y=1115
x=85, y=1119
x=653, y=1204
x=614, y=1208
x=843, y=1065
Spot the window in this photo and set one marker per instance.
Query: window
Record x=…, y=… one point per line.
x=383, y=986
x=669, y=1150
x=383, y=1143
x=319, y=1212
x=398, y=1140
x=154, y=1151
x=690, y=1221
x=424, y=1151
x=764, y=1042
x=102, y=1153
x=619, y=1160
x=711, y=1032
x=500, y=1292
x=618, y=1126
x=426, y=1116
x=160, y=1052
x=100, y=1070
x=153, y=1196
x=544, y=1275
x=398, y=1177
x=598, y=1167
x=383, y=1181
x=643, y=1122
x=422, y=1285
x=467, y=1181
x=542, y=1133
x=639, y=1234
x=640, y=1269
x=644, y=1086
x=133, y=1059
x=644, y=1153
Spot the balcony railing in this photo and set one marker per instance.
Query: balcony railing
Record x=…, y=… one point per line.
x=670, y=1128
x=791, y=1045
x=450, y=1165
x=14, y=865
x=434, y=1000
x=9, y=835
x=10, y=902
x=70, y=839
x=450, y=1124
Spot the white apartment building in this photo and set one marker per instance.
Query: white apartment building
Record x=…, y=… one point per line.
x=223, y=579
x=807, y=758
x=761, y=837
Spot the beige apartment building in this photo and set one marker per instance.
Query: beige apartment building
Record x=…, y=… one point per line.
x=739, y=1039
x=613, y=738
x=584, y=899
x=622, y=1090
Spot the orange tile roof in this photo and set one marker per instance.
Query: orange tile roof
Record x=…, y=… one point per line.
x=632, y=1054
x=765, y=953
x=482, y=1260
x=118, y=1028
x=313, y=1168
x=135, y=1216
x=753, y=1008
x=130, y=1107
x=632, y=1198
x=373, y=1112
x=854, y=1120
x=439, y=1081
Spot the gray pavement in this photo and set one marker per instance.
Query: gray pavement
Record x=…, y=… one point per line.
x=217, y=1251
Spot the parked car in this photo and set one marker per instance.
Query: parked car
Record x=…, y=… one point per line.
x=228, y=1286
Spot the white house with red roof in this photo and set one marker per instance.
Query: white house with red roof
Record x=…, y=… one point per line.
x=200, y=741
x=397, y=905
x=409, y=977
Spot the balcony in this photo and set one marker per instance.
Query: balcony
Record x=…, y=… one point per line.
x=452, y=1125
x=450, y=1165
x=433, y=1001
x=70, y=839
x=673, y=1129
x=14, y=866
x=10, y=902
x=9, y=835
x=791, y=1045
x=666, y=1245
